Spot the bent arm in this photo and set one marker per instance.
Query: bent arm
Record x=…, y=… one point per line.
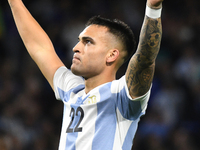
x=140, y=71
x=37, y=43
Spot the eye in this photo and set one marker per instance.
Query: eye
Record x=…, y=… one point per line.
x=88, y=42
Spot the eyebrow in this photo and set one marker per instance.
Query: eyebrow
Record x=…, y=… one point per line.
x=84, y=38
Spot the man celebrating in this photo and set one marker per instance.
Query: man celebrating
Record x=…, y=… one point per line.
x=100, y=112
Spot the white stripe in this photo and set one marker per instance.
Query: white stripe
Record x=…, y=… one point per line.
x=84, y=140
x=118, y=85
x=124, y=125
x=117, y=141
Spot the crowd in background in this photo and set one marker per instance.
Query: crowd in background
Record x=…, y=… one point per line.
x=31, y=117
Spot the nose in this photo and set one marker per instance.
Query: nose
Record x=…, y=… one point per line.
x=77, y=48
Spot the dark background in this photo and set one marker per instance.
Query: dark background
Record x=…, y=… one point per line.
x=31, y=117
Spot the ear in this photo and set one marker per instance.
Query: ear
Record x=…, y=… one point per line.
x=112, y=55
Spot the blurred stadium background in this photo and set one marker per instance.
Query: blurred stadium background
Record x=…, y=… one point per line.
x=30, y=116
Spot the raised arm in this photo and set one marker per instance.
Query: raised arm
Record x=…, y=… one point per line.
x=140, y=71
x=36, y=40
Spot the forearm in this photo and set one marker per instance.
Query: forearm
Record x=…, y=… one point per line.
x=32, y=34
x=141, y=67
x=149, y=42
x=36, y=40
x=151, y=32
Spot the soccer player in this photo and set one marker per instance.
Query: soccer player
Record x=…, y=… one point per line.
x=100, y=112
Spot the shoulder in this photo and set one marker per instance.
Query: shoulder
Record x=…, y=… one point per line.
x=118, y=85
x=65, y=80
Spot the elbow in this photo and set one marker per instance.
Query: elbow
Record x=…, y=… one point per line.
x=147, y=64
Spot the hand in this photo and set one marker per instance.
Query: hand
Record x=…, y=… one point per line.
x=155, y=4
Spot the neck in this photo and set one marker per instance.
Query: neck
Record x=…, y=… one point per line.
x=92, y=82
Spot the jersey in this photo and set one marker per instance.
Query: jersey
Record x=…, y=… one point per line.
x=106, y=118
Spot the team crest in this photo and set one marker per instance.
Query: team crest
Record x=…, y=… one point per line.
x=92, y=99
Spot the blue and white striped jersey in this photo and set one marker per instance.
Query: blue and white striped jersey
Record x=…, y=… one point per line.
x=106, y=118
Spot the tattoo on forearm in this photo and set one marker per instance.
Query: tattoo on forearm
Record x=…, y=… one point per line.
x=141, y=67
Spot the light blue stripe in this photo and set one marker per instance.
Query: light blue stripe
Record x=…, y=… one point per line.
x=130, y=110
x=128, y=142
x=105, y=126
x=61, y=94
x=70, y=142
x=78, y=88
x=65, y=96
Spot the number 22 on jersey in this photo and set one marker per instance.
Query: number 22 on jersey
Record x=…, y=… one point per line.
x=74, y=125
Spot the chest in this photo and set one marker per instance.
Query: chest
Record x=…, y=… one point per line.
x=95, y=96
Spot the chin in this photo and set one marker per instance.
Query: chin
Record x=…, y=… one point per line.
x=75, y=71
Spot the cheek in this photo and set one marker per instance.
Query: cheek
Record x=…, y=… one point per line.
x=95, y=56
x=98, y=58
x=95, y=62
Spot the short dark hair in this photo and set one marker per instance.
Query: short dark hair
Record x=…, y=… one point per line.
x=119, y=29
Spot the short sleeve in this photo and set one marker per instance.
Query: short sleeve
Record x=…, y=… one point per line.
x=143, y=99
x=129, y=108
x=65, y=80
